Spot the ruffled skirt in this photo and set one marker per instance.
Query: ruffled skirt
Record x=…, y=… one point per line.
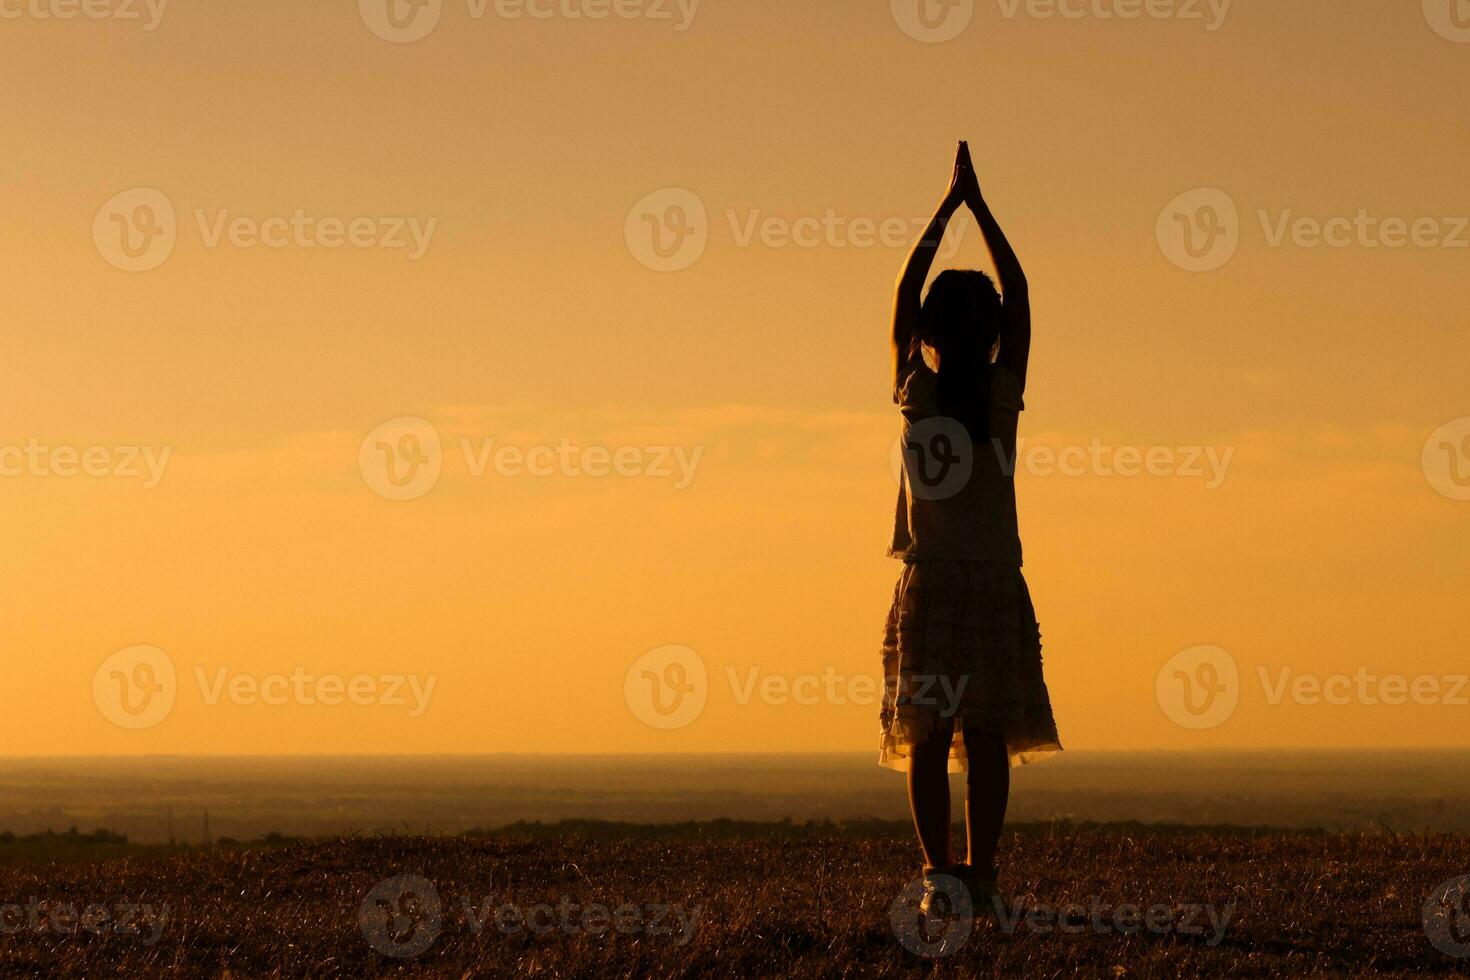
x=962, y=652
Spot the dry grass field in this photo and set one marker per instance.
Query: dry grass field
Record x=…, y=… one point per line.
x=1109, y=901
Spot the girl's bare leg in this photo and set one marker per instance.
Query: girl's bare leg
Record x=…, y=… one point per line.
x=988, y=793
x=929, y=797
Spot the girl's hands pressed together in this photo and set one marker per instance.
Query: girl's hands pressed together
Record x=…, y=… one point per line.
x=964, y=186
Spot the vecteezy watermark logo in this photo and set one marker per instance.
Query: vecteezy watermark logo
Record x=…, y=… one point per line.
x=41, y=461
x=667, y=688
x=939, y=932
x=934, y=458
x=1447, y=917
x=308, y=231
x=933, y=21
x=401, y=21
x=1361, y=230
x=1446, y=459
x=1363, y=687
x=1199, y=230
x=135, y=688
x=1450, y=19
x=573, y=918
x=1179, y=10
x=1204, y=921
x=1199, y=688
x=136, y=230
x=143, y=921
x=411, y=691
x=401, y=917
x=91, y=9
x=934, y=935
x=402, y=458
x=668, y=230
x=1209, y=464
x=404, y=21
x=568, y=459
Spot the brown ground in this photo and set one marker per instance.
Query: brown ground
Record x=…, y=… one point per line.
x=789, y=904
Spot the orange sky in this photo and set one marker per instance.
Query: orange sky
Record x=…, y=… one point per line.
x=517, y=147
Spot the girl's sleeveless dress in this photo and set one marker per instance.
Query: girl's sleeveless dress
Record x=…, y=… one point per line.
x=961, y=645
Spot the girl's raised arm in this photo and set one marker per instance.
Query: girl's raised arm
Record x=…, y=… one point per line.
x=1015, y=329
x=909, y=293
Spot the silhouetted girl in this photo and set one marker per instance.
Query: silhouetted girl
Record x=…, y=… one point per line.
x=961, y=648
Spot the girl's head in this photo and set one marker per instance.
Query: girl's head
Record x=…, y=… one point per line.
x=960, y=318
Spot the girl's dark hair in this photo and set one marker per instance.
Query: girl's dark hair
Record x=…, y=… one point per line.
x=960, y=322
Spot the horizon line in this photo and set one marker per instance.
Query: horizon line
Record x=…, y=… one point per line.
x=831, y=753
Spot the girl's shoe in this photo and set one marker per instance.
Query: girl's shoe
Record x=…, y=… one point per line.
x=983, y=884
x=945, y=891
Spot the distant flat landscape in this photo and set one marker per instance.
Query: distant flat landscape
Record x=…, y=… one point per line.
x=154, y=799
